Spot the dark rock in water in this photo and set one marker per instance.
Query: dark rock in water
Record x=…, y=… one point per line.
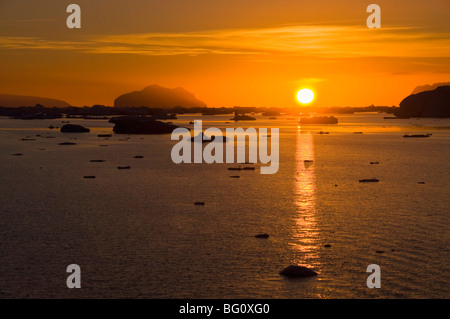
x=199, y=138
x=319, y=120
x=374, y=163
x=97, y=161
x=140, y=125
x=219, y=139
x=417, y=136
x=123, y=167
x=297, y=271
x=327, y=246
x=262, y=236
x=89, y=177
x=205, y=139
x=235, y=176
x=73, y=128
x=370, y=180
x=423, y=183
x=308, y=163
x=139, y=156
x=28, y=139
x=18, y=154
x=380, y=251
x=435, y=103
x=242, y=117
x=67, y=143
x=199, y=203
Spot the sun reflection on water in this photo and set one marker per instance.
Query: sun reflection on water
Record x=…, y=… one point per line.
x=305, y=234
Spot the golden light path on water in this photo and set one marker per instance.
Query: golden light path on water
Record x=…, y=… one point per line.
x=306, y=239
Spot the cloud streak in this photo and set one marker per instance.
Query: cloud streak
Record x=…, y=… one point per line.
x=312, y=40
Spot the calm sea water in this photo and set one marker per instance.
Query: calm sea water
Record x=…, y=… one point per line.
x=136, y=233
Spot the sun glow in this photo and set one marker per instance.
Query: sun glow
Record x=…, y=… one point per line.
x=305, y=96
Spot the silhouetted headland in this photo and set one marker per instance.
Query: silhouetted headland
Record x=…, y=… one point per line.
x=434, y=103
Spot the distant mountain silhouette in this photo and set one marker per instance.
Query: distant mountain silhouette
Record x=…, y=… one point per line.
x=159, y=97
x=434, y=103
x=428, y=87
x=9, y=100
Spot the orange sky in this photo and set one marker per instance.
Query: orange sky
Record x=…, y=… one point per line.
x=246, y=52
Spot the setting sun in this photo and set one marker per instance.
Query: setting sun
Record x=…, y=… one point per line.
x=305, y=96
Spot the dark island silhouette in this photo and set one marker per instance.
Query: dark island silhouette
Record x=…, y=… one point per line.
x=242, y=117
x=156, y=96
x=435, y=103
x=10, y=100
x=318, y=120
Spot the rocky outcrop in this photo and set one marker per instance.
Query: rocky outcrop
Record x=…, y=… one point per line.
x=319, y=120
x=205, y=139
x=72, y=128
x=434, y=103
x=242, y=117
x=156, y=96
x=297, y=271
x=140, y=125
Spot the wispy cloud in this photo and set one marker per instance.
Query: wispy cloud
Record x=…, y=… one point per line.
x=321, y=41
